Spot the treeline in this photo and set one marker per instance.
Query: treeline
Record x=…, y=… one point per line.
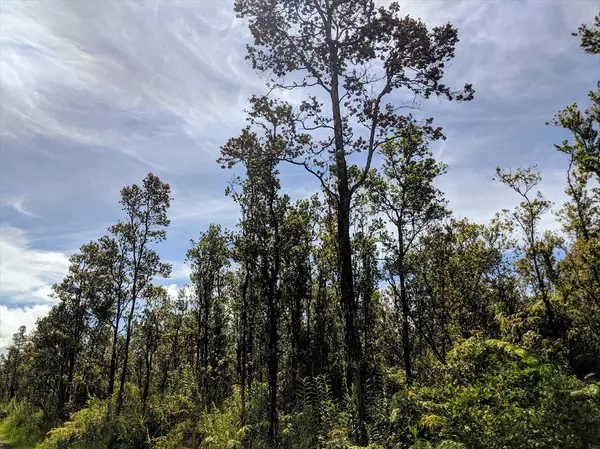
x=365, y=316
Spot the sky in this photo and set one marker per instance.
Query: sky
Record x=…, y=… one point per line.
x=96, y=94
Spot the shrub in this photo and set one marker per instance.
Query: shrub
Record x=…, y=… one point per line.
x=97, y=426
x=90, y=427
x=22, y=424
x=495, y=395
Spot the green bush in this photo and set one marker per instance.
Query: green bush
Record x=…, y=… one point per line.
x=98, y=427
x=216, y=428
x=318, y=420
x=90, y=427
x=22, y=425
x=222, y=428
x=495, y=395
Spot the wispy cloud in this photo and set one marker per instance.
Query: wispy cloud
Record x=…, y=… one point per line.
x=18, y=204
x=154, y=80
x=203, y=209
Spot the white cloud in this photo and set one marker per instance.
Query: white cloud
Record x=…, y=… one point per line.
x=180, y=271
x=474, y=195
x=27, y=273
x=13, y=318
x=173, y=291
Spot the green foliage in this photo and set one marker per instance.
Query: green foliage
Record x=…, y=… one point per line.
x=217, y=428
x=318, y=420
x=222, y=428
x=89, y=427
x=97, y=426
x=420, y=443
x=22, y=424
x=494, y=395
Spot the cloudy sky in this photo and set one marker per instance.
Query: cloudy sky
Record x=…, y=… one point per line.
x=95, y=94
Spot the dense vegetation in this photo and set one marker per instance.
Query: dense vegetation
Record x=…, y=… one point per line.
x=365, y=316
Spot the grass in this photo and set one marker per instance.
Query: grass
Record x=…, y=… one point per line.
x=19, y=438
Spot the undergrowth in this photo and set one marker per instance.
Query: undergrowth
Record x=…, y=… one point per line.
x=22, y=425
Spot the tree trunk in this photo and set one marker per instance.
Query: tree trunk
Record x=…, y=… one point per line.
x=542, y=286
x=244, y=340
x=318, y=349
x=405, y=309
x=273, y=368
x=126, y=360
x=405, y=330
x=113, y=357
x=272, y=299
x=348, y=305
x=69, y=385
x=148, y=374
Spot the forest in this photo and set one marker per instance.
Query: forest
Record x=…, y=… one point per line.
x=365, y=316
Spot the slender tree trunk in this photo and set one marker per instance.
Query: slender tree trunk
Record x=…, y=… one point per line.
x=405, y=310
x=69, y=384
x=244, y=340
x=273, y=366
x=319, y=338
x=252, y=365
x=14, y=383
x=308, y=339
x=348, y=305
x=62, y=391
x=113, y=357
x=148, y=374
x=205, y=341
x=127, y=342
x=405, y=330
x=198, y=353
x=429, y=340
x=542, y=286
x=173, y=360
x=296, y=315
x=273, y=306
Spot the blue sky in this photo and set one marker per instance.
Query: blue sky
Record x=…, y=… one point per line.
x=94, y=95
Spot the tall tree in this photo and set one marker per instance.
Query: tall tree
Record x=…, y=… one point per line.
x=367, y=276
x=13, y=362
x=406, y=195
x=209, y=259
x=71, y=325
x=145, y=210
x=114, y=265
x=266, y=211
x=150, y=334
x=527, y=215
x=356, y=54
x=461, y=283
x=297, y=229
x=580, y=216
